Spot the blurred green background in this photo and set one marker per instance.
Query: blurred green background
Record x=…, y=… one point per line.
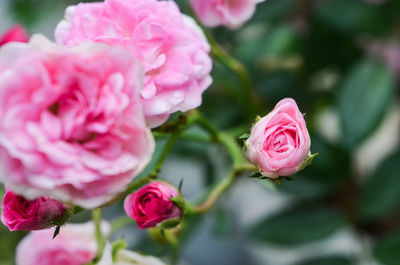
x=340, y=60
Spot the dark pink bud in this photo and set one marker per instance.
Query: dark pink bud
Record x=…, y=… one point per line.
x=151, y=205
x=18, y=213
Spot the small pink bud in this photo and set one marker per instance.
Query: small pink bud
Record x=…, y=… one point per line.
x=18, y=213
x=16, y=33
x=151, y=204
x=279, y=143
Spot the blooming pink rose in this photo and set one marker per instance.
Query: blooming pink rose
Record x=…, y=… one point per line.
x=71, y=122
x=16, y=33
x=230, y=13
x=279, y=143
x=151, y=204
x=75, y=245
x=171, y=47
x=18, y=213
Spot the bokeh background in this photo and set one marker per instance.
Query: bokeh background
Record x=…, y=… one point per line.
x=340, y=60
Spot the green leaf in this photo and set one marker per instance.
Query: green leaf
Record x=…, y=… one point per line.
x=353, y=17
x=380, y=195
x=298, y=225
x=329, y=260
x=362, y=100
x=223, y=223
x=273, y=10
x=30, y=12
x=279, y=43
x=244, y=136
x=387, y=250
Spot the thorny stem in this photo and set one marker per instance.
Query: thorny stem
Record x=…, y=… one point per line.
x=239, y=162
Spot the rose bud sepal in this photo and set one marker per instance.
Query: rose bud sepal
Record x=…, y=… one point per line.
x=170, y=223
x=185, y=206
x=278, y=180
x=164, y=236
x=307, y=161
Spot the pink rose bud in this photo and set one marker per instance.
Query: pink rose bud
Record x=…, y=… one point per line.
x=16, y=33
x=18, y=213
x=279, y=143
x=151, y=205
x=230, y=13
x=75, y=245
x=171, y=47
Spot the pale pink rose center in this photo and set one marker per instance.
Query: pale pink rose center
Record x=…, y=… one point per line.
x=284, y=139
x=84, y=108
x=71, y=110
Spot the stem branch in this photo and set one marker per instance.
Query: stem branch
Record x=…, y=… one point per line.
x=96, y=213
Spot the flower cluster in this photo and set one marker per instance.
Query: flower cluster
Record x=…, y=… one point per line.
x=171, y=47
x=72, y=125
x=76, y=119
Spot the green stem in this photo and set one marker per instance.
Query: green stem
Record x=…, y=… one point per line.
x=191, y=117
x=222, y=186
x=96, y=215
x=246, y=96
x=225, y=139
x=179, y=126
x=215, y=194
x=239, y=164
x=196, y=137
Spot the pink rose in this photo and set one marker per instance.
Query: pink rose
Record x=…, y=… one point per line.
x=75, y=245
x=16, y=33
x=151, y=204
x=71, y=122
x=17, y=213
x=230, y=13
x=279, y=143
x=171, y=47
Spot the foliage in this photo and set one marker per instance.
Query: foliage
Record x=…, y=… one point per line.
x=316, y=52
